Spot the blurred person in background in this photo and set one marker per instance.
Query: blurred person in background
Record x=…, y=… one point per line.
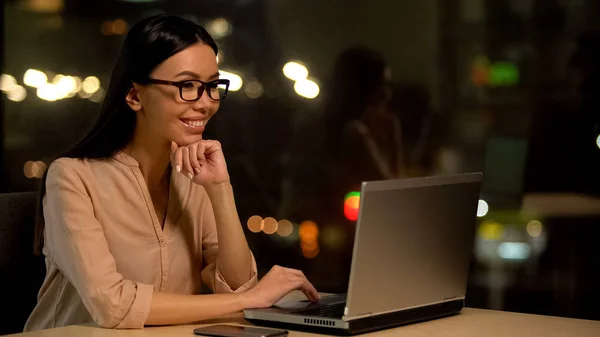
x=141, y=211
x=364, y=138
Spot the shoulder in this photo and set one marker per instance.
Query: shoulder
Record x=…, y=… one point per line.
x=71, y=170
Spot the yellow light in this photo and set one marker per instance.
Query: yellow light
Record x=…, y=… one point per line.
x=65, y=85
x=482, y=208
x=219, y=28
x=333, y=236
x=255, y=224
x=295, y=71
x=119, y=26
x=492, y=231
x=253, y=89
x=285, y=228
x=34, y=78
x=28, y=169
x=270, y=226
x=306, y=88
x=107, y=28
x=78, y=84
x=534, y=228
x=84, y=94
x=48, y=92
x=98, y=96
x=17, y=93
x=7, y=82
x=91, y=84
x=235, y=81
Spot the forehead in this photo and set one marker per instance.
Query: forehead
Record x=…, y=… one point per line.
x=199, y=58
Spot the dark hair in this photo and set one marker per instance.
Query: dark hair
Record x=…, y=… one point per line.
x=358, y=72
x=149, y=42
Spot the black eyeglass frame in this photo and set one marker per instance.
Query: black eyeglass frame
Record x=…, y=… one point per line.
x=204, y=86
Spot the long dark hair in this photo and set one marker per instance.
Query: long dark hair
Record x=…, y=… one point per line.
x=149, y=42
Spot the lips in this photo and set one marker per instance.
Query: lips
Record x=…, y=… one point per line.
x=193, y=123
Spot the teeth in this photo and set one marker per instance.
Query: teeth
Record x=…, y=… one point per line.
x=195, y=123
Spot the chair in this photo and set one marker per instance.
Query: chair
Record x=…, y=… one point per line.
x=21, y=272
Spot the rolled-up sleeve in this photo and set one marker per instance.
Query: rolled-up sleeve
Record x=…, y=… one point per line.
x=211, y=274
x=75, y=242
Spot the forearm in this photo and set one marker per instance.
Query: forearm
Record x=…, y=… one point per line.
x=170, y=309
x=234, y=255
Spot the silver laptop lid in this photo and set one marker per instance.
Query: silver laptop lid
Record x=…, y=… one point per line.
x=413, y=243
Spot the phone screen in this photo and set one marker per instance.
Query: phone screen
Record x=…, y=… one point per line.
x=238, y=331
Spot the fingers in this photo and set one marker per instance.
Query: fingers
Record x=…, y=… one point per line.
x=194, y=158
x=178, y=158
x=187, y=166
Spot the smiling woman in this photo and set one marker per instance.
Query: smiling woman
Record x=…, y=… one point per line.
x=129, y=241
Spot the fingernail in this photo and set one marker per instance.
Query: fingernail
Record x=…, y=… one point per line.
x=190, y=175
x=178, y=168
x=197, y=170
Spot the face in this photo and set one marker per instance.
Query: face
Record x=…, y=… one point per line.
x=160, y=109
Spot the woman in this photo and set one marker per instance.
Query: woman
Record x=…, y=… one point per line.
x=141, y=211
x=364, y=137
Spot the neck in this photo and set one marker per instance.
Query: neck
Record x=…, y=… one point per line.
x=152, y=153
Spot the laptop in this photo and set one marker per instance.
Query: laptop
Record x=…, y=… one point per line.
x=410, y=263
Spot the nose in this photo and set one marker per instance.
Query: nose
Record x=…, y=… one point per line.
x=204, y=104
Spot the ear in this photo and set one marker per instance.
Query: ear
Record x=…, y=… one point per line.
x=133, y=99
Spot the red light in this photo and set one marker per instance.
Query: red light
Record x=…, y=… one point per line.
x=351, y=205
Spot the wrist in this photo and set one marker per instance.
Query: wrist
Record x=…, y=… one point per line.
x=245, y=301
x=217, y=188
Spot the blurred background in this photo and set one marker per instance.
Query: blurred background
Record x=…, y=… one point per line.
x=326, y=94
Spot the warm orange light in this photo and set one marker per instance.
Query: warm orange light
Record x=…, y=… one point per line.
x=270, y=225
x=285, y=228
x=255, y=224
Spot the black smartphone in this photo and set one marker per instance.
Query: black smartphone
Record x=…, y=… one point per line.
x=222, y=330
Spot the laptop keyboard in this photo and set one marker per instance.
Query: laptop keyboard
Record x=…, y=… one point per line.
x=332, y=311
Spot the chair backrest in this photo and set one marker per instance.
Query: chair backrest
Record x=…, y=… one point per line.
x=21, y=272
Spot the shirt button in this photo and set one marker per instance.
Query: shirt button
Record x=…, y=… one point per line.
x=162, y=243
x=164, y=277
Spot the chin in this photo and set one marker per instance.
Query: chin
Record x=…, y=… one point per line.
x=187, y=140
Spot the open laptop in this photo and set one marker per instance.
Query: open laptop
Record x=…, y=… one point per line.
x=412, y=251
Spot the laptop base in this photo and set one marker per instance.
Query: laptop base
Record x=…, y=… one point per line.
x=370, y=324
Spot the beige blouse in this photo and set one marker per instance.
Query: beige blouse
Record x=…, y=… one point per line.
x=106, y=251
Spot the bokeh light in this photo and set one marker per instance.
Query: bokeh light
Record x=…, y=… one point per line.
x=295, y=71
x=306, y=88
x=255, y=224
x=269, y=226
x=253, y=89
x=351, y=205
x=235, y=81
x=219, y=28
x=534, y=228
x=285, y=228
x=309, y=239
x=90, y=84
x=492, y=231
x=7, y=82
x=17, y=93
x=333, y=236
x=34, y=78
x=34, y=169
x=482, y=208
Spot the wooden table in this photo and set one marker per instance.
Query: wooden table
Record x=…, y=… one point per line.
x=470, y=323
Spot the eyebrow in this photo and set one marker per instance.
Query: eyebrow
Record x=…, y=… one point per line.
x=194, y=75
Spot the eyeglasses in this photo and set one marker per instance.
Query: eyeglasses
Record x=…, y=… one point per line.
x=192, y=90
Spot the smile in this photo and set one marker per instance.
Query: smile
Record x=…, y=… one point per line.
x=193, y=123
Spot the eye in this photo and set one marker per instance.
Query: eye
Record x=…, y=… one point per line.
x=188, y=85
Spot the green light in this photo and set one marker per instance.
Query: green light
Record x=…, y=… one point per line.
x=503, y=74
x=351, y=194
